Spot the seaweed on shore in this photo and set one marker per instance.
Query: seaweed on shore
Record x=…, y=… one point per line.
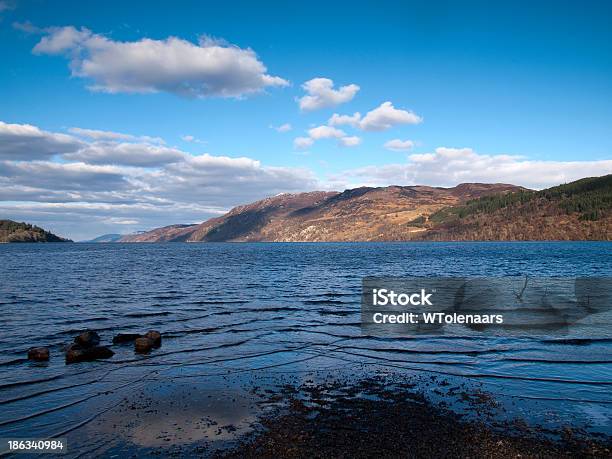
x=373, y=419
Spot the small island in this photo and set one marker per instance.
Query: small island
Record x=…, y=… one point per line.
x=11, y=231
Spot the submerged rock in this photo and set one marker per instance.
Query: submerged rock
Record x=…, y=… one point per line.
x=77, y=353
x=143, y=345
x=122, y=338
x=39, y=354
x=88, y=339
x=154, y=336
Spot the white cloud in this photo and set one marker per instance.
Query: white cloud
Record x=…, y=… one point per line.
x=386, y=116
x=282, y=128
x=192, y=139
x=451, y=166
x=110, y=135
x=325, y=132
x=203, y=69
x=302, y=143
x=127, y=154
x=351, y=141
x=123, y=221
x=321, y=94
x=23, y=142
x=340, y=120
x=57, y=176
x=224, y=181
x=63, y=39
x=381, y=118
x=399, y=145
x=100, y=135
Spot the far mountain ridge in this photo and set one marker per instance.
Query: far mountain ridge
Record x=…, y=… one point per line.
x=294, y=216
x=106, y=238
x=469, y=211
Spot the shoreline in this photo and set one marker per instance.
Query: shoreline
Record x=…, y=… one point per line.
x=329, y=415
x=369, y=418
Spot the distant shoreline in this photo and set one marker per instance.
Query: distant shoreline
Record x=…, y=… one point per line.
x=416, y=242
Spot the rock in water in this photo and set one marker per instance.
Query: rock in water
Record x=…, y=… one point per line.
x=39, y=354
x=154, y=336
x=122, y=338
x=88, y=339
x=143, y=345
x=77, y=353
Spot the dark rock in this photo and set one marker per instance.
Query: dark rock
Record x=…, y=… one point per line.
x=77, y=353
x=39, y=354
x=88, y=339
x=143, y=345
x=154, y=336
x=122, y=338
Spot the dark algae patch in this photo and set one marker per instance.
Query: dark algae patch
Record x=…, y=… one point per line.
x=374, y=419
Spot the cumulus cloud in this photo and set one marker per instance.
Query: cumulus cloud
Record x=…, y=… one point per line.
x=340, y=120
x=399, y=145
x=62, y=39
x=127, y=154
x=192, y=139
x=381, y=118
x=302, y=143
x=110, y=135
x=386, y=116
x=282, y=128
x=57, y=176
x=451, y=166
x=24, y=142
x=350, y=141
x=321, y=94
x=122, y=221
x=209, y=68
x=100, y=135
x=325, y=132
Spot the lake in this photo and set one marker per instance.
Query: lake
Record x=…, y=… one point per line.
x=237, y=315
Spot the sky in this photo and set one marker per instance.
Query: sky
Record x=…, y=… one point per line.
x=118, y=117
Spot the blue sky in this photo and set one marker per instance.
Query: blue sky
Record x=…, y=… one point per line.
x=516, y=92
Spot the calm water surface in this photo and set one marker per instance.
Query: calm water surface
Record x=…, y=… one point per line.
x=236, y=312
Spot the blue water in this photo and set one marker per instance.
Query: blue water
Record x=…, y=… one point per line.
x=265, y=311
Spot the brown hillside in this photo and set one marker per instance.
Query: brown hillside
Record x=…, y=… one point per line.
x=361, y=214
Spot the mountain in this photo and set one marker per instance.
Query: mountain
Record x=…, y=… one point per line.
x=11, y=231
x=106, y=238
x=580, y=210
x=172, y=233
x=360, y=214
